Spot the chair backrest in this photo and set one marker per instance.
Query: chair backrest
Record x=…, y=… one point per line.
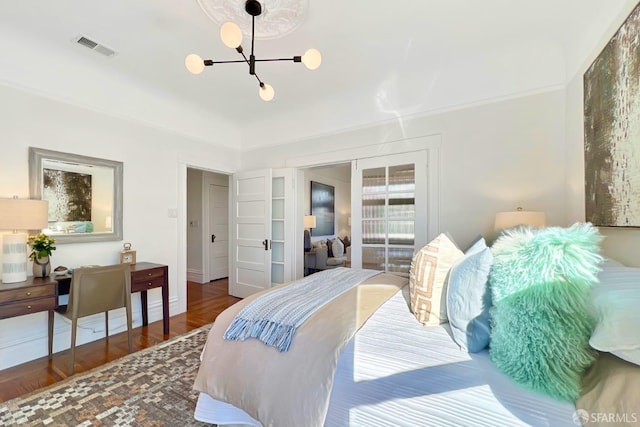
x=99, y=289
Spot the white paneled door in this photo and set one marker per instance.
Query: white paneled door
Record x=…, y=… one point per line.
x=219, y=231
x=251, y=233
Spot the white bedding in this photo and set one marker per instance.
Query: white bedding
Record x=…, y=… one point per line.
x=396, y=372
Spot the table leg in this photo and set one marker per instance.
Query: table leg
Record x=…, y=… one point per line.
x=50, y=336
x=145, y=314
x=165, y=308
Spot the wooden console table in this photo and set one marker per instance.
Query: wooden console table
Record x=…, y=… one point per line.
x=31, y=296
x=144, y=276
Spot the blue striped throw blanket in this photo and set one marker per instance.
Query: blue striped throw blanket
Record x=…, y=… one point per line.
x=274, y=317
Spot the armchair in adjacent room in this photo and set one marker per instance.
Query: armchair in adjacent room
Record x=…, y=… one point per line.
x=326, y=258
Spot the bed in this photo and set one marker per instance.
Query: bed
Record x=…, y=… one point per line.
x=396, y=372
x=394, y=368
x=386, y=368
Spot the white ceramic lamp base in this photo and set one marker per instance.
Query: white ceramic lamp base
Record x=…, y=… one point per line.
x=14, y=258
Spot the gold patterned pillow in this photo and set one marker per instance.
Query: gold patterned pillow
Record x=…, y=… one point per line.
x=427, y=279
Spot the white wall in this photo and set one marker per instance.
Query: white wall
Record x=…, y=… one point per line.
x=154, y=215
x=493, y=157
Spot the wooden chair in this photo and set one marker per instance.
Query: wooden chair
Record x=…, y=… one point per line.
x=96, y=290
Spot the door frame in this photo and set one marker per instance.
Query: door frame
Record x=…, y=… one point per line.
x=227, y=168
x=429, y=143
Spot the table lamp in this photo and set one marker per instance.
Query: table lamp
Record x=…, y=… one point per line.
x=309, y=222
x=512, y=219
x=19, y=215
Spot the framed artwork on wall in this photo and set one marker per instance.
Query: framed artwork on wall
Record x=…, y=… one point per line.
x=323, y=207
x=612, y=130
x=84, y=195
x=68, y=194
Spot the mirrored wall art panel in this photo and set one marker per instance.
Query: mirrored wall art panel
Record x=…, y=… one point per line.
x=84, y=195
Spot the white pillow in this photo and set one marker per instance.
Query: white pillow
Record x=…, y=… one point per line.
x=337, y=247
x=319, y=244
x=617, y=302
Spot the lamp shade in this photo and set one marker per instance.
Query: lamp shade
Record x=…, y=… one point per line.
x=23, y=214
x=310, y=221
x=511, y=219
x=19, y=214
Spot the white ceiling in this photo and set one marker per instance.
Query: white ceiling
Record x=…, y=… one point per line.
x=382, y=60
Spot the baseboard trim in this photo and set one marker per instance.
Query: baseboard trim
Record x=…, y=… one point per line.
x=194, y=275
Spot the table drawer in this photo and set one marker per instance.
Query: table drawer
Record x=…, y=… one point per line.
x=147, y=279
x=28, y=293
x=146, y=275
x=26, y=307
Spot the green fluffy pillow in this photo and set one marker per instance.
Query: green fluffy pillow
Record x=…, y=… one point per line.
x=541, y=316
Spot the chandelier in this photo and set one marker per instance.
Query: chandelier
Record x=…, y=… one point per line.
x=231, y=36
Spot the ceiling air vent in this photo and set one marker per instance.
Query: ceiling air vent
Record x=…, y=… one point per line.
x=82, y=40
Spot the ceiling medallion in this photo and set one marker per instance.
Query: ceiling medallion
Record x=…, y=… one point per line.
x=278, y=18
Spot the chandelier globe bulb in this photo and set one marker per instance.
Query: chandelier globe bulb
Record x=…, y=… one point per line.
x=194, y=63
x=312, y=59
x=231, y=35
x=266, y=92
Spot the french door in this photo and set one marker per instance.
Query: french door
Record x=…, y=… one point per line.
x=265, y=236
x=251, y=233
x=389, y=211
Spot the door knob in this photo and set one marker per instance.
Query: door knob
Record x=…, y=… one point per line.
x=213, y=238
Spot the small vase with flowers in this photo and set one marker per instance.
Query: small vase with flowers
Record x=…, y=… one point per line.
x=42, y=247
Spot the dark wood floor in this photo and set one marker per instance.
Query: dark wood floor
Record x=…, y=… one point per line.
x=204, y=303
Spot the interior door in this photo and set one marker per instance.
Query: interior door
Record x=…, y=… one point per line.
x=251, y=233
x=219, y=232
x=389, y=211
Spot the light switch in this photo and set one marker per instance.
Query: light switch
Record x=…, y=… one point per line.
x=173, y=213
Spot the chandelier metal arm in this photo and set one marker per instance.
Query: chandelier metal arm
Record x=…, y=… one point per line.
x=209, y=62
x=294, y=59
x=253, y=31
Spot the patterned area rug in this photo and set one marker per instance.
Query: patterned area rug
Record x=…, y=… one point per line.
x=152, y=387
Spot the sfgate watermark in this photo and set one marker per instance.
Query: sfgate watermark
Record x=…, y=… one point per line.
x=582, y=417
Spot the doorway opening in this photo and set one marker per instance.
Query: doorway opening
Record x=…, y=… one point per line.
x=336, y=178
x=207, y=225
